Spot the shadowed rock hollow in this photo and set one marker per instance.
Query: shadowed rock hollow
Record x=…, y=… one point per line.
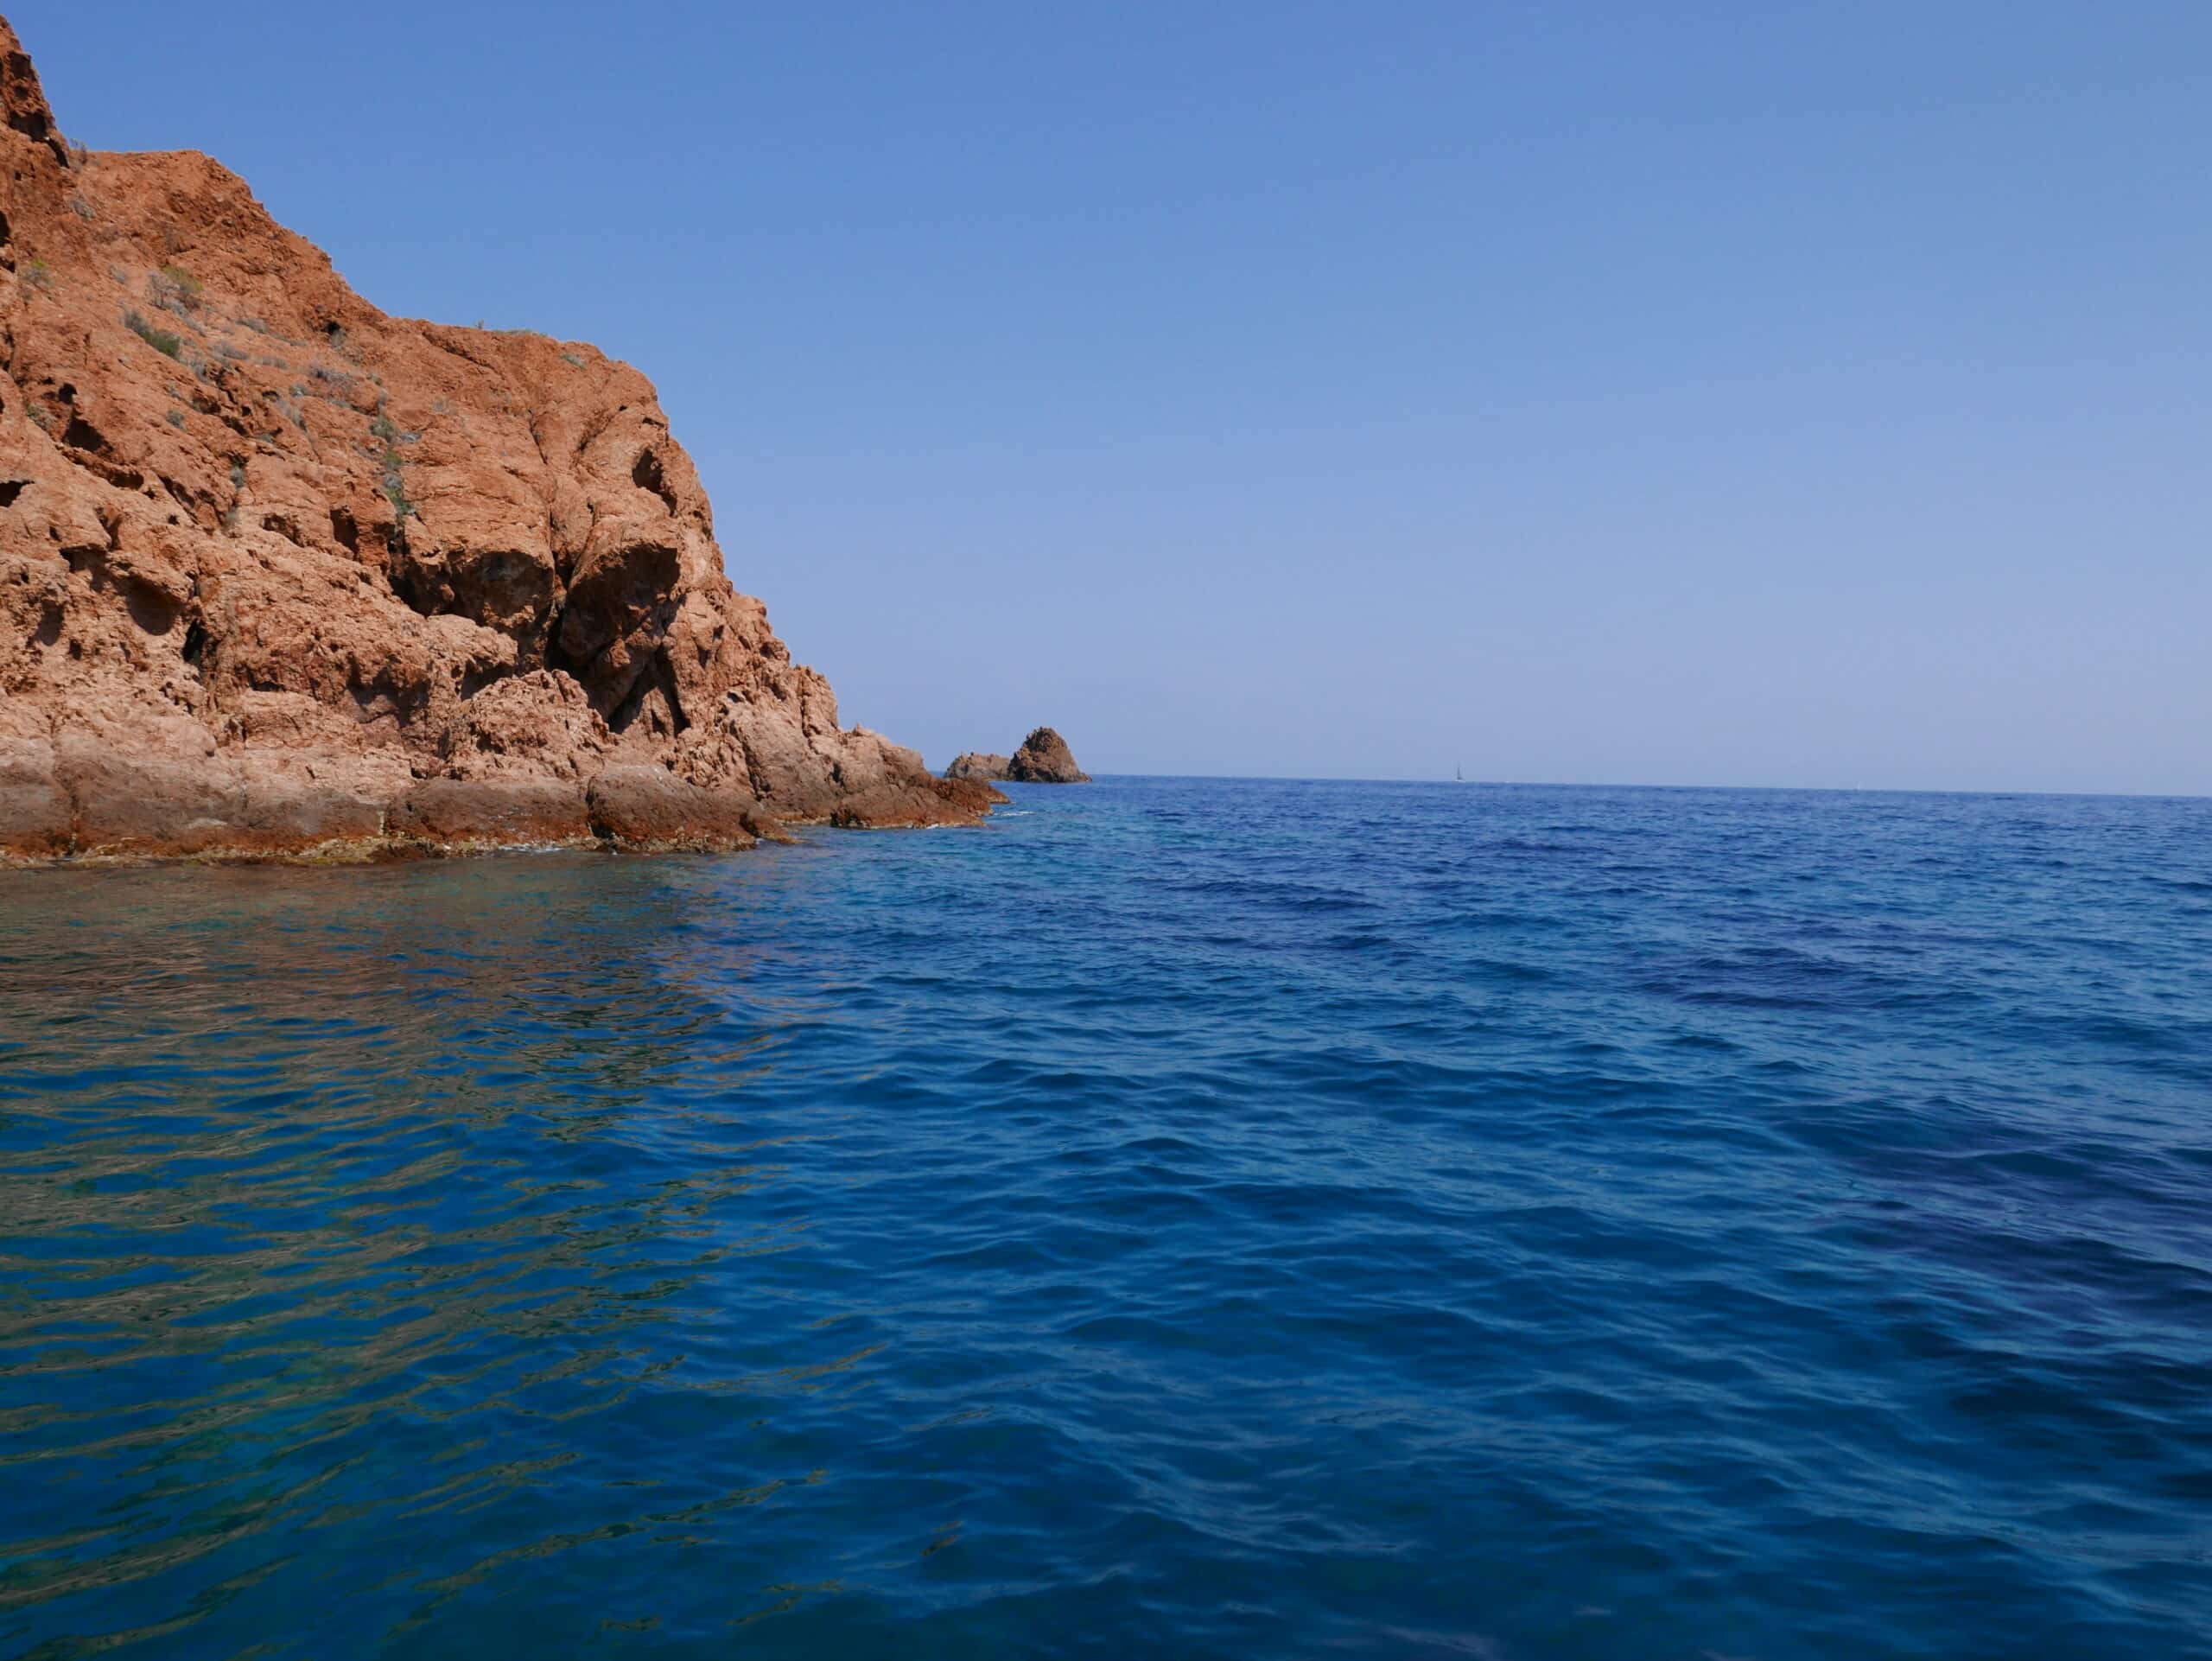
x=280, y=574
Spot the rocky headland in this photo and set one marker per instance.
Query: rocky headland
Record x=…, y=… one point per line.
x=281, y=576
x=1043, y=758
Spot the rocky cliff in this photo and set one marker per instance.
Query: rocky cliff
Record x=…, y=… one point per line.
x=282, y=574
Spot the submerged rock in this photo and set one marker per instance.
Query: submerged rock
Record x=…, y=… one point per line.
x=282, y=574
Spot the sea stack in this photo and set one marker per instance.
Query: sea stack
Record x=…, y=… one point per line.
x=1043, y=758
x=283, y=576
x=1046, y=759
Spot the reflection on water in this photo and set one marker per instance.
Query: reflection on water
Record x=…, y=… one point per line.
x=1182, y=1219
x=328, y=1201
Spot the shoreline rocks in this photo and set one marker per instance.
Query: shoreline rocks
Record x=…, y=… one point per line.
x=282, y=577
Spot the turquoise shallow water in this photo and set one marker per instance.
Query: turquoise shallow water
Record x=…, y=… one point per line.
x=1183, y=1219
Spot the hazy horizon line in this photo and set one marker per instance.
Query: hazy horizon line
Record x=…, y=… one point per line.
x=1562, y=784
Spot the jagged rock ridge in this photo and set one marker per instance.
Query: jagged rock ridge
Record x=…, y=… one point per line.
x=280, y=574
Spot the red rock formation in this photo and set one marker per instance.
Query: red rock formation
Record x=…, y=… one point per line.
x=982, y=765
x=282, y=574
x=1043, y=758
x=1046, y=759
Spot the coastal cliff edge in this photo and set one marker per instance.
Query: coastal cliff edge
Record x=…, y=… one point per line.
x=283, y=577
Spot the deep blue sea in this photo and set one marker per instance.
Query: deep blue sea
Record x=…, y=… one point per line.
x=1183, y=1219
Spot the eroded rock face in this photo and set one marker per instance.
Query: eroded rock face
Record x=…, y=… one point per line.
x=279, y=573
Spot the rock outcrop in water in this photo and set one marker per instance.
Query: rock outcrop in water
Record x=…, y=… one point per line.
x=1046, y=759
x=280, y=574
x=1043, y=758
x=975, y=764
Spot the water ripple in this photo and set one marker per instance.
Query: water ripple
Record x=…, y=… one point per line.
x=1186, y=1217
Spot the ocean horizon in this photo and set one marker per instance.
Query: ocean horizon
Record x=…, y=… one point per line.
x=1178, y=1217
x=1560, y=783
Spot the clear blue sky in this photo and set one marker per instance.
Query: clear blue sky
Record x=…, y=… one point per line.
x=1760, y=393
